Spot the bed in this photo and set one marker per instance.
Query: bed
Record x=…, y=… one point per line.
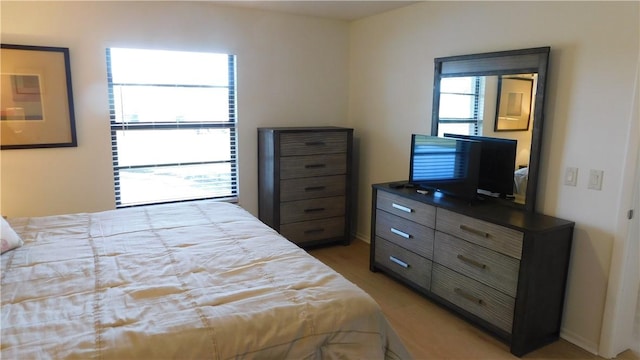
x=520, y=178
x=201, y=279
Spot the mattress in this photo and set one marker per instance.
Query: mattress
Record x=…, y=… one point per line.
x=202, y=279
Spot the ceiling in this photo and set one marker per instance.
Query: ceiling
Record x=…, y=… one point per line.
x=340, y=10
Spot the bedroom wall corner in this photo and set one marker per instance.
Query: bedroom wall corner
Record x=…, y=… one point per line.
x=292, y=71
x=391, y=68
x=619, y=330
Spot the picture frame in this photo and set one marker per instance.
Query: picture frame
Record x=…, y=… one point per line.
x=36, y=98
x=513, y=107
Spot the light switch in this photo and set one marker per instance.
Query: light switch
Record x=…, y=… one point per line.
x=595, y=179
x=571, y=176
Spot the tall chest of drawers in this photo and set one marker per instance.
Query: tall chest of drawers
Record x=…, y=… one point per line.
x=500, y=268
x=304, y=183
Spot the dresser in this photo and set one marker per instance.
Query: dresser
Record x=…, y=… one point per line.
x=499, y=267
x=304, y=183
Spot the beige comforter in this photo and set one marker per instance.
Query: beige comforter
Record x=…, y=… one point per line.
x=199, y=280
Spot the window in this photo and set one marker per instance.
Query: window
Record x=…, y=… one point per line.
x=461, y=105
x=173, y=125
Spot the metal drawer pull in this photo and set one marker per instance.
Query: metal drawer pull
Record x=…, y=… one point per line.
x=314, y=166
x=468, y=296
x=399, y=262
x=314, y=143
x=313, y=210
x=472, y=262
x=313, y=231
x=474, y=231
x=400, y=233
x=402, y=208
x=314, y=188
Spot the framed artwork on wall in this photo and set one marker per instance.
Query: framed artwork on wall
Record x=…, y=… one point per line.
x=36, y=98
x=513, y=109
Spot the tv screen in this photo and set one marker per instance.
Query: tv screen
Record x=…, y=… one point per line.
x=497, y=164
x=448, y=165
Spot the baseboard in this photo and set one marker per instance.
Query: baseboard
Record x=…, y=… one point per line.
x=362, y=237
x=579, y=341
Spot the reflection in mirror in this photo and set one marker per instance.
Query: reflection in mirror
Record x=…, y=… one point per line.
x=513, y=105
x=496, y=95
x=470, y=105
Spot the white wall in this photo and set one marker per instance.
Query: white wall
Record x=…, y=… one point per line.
x=620, y=329
x=295, y=70
x=292, y=70
x=594, y=52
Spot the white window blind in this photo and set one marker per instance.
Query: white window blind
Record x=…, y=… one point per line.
x=173, y=125
x=461, y=105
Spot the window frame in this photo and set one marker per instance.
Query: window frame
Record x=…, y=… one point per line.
x=231, y=124
x=476, y=122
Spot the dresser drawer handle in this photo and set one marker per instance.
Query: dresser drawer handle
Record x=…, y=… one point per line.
x=314, y=231
x=402, y=208
x=468, y=296
x=474, y=231
x=315, y=188
x=400, y=233
x=399, y=262
x=472, y=262
x=314, y=166
x=315, y=143
x=313, y=210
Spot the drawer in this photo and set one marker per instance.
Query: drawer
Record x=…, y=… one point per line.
x=489, y=267
x=403, y=262
x=489, y=235
x=308, y=188
x=312, y=209
x=309, y=143
x=400, y=231
x=305, y=231
x=313, y=165
x=476, y=298
x=409, y=209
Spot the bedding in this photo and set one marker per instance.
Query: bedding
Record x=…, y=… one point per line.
x=9, y=240
x=197, y=279
x=520, y=178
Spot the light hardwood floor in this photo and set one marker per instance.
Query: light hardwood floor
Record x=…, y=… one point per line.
x=430, y=331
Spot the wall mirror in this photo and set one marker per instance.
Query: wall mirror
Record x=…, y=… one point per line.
x=498, y=95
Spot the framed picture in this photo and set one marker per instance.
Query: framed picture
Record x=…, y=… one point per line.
x=36, y=99
x=513, y=109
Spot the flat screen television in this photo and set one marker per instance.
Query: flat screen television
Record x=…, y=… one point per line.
x=448, y=165
x=497, y=164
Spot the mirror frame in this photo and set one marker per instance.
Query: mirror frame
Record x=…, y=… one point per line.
x=533, y=60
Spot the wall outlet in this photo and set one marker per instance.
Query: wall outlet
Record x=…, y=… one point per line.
x=595, y=179
x=571, y=176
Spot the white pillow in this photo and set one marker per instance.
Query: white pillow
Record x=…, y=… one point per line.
x=9, y=238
